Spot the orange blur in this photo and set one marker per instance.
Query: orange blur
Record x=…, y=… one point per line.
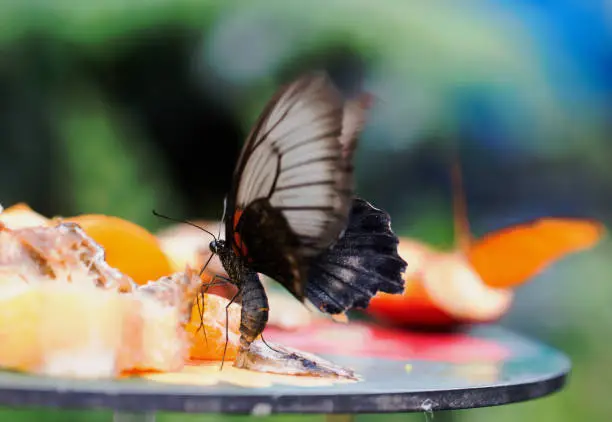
x=511, y=256
x=129, y=248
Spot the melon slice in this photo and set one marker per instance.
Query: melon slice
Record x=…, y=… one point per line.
x=60, y=252
x=59, y=270
x=153, y=337
x=20, y=216
x=63, y=313
x=69, y=330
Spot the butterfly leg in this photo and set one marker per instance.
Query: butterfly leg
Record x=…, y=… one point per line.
x=204, y=289
x=227, y=325
x=270, y=347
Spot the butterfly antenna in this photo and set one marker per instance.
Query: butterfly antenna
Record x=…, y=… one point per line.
x=206, y=265
x=155, y=213
x=176, y=220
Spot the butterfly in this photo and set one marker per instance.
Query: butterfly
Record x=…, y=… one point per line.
x=291, y=213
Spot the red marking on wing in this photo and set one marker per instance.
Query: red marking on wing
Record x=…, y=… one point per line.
x=239, y=246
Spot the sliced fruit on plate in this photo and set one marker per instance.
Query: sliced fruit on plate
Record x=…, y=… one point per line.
x=508, y=257
x=441, y=290
x=20, y=216
x=69, y=330
x=129, y=248
x=474, y=282
x=65, y=312
x=185, y=244
x=62, y=313
x=207, y=329
x=61, y=252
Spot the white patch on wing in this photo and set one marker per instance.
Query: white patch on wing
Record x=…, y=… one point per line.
x=294, y=157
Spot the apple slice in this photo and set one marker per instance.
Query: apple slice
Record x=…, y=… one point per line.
x=474, y=282
x=456, y=288
x=441, y=290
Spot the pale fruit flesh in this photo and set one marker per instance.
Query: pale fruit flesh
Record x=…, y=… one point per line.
x=208, y=340
x=456, y=288
x=20, y=216
x=68, y=330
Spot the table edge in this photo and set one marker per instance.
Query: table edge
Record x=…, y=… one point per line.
x=422, y=401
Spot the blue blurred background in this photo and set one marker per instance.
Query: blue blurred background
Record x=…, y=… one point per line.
x=120, y=107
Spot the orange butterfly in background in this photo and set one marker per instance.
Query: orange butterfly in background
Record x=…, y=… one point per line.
x=474, y=282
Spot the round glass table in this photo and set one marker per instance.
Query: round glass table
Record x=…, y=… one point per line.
x=401, y=371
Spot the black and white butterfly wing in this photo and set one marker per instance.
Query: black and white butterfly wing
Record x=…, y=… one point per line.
x=361, y=263
x=353, y=121
x=292, y=187
x=364, y=260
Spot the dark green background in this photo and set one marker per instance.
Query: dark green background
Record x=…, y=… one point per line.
x=120, y=107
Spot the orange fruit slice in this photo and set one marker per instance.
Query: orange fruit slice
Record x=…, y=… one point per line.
x=129, y=248
x=208, y=339
x=513, y=255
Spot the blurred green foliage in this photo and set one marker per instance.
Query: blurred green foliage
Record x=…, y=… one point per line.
x=110, y=169
x=494, y=78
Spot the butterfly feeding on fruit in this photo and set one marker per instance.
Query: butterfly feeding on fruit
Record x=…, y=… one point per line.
x=291, y=213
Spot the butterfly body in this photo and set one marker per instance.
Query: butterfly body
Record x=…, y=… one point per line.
x=254, y=314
